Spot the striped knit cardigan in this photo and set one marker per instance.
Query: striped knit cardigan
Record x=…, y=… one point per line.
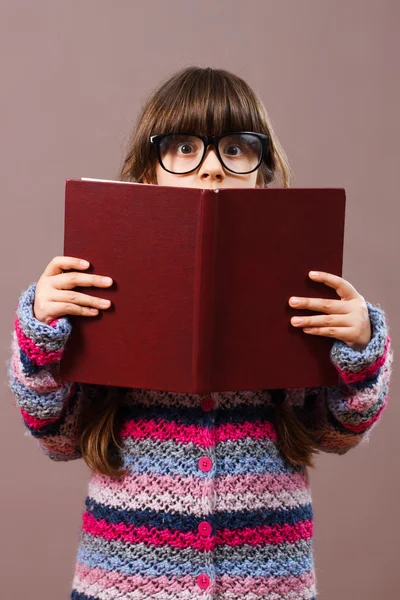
x=209, y=507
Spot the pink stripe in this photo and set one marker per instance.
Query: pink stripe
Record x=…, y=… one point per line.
x=60, y=444
x=154, y=484
x=236, y=585
x=370, y=371
x=131, y=583
x=261, y=587
x=253, y=536
x=34, y=352
x=146, y=535
x=165, y=430
x=367, y=424
x=261, y=536
x=186, y=503
x=34, y=422
x=198, y=488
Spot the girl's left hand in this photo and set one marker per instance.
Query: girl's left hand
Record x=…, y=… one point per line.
x=346, y=319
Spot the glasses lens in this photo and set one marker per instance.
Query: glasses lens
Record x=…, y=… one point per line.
x=181, y=153
x=240, y=152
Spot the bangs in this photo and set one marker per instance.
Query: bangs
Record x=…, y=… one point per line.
x=209, y=102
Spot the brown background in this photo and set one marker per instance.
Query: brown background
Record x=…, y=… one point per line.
x=73, y=75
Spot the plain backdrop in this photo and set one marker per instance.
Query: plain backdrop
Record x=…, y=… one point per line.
x=73, y=76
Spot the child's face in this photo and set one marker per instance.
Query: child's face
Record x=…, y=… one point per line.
x=210, y=174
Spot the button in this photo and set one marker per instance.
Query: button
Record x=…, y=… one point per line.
x=204, y=528
x=205, y=464
x=203, y=581
x=207, y=403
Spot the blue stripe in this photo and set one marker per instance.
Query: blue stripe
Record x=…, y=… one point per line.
x=77, y=596
x=140, y=566
x=248, y=464
x=185, y=523
x=53, y=429
x=181, y=568
x=269, y=568
x=45, y=336
x=366, y=384
x=34, y=401
x=263, y=517
x=29, y=367
x=228, y=466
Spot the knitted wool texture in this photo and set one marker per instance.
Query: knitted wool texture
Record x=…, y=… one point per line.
x=209, y=508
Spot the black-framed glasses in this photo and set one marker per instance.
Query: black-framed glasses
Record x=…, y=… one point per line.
x=240, y=152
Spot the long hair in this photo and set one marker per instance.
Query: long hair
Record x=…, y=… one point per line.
x=207, y=102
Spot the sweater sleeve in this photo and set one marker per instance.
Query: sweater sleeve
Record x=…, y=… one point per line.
x=344, y=415
x=48, y=406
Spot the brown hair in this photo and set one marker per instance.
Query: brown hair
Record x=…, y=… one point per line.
x=207, y=102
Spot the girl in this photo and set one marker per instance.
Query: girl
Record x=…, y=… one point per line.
x=190, y=496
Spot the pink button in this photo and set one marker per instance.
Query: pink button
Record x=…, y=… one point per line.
x=207, y=403
x=205, y=464
x=203, y=581
x=204, y=528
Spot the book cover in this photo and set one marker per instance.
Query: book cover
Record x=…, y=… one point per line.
x=202, y=280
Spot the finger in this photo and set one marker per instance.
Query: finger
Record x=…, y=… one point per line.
x=340, y=333
x=60, y=309
x=321, y=321
x=64, y=263
x=343, y=288
x=68, y=281
x=324, y=305
x=74, y=297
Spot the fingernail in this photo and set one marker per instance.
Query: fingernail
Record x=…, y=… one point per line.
x=314, y=273
x=294, y=301
x=84, y=263
x=297, y=321
x=104, y=303
x=106, y=279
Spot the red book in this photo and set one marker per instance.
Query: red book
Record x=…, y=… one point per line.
x=202, y=280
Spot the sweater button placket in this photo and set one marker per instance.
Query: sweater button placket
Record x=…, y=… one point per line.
x=205, y=464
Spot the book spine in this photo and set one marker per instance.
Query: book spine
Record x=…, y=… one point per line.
x=204, y=309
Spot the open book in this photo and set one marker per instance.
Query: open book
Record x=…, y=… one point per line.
x=202, y=280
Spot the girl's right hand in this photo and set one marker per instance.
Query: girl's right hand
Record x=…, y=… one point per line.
x=55, y=296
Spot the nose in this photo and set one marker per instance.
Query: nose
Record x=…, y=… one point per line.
x=211, y=169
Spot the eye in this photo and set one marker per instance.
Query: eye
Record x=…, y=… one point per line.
x=185, y=148
x=233, y=150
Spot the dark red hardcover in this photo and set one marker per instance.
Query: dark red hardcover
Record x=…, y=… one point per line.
x=202, y=280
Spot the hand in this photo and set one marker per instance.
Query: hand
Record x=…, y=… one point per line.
x=54, y=296
x=346, y=319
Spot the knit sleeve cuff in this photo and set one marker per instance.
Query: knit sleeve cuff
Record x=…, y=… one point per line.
x=354, y=366
x=41, y=344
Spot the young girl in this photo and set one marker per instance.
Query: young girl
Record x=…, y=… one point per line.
x=191, y=496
